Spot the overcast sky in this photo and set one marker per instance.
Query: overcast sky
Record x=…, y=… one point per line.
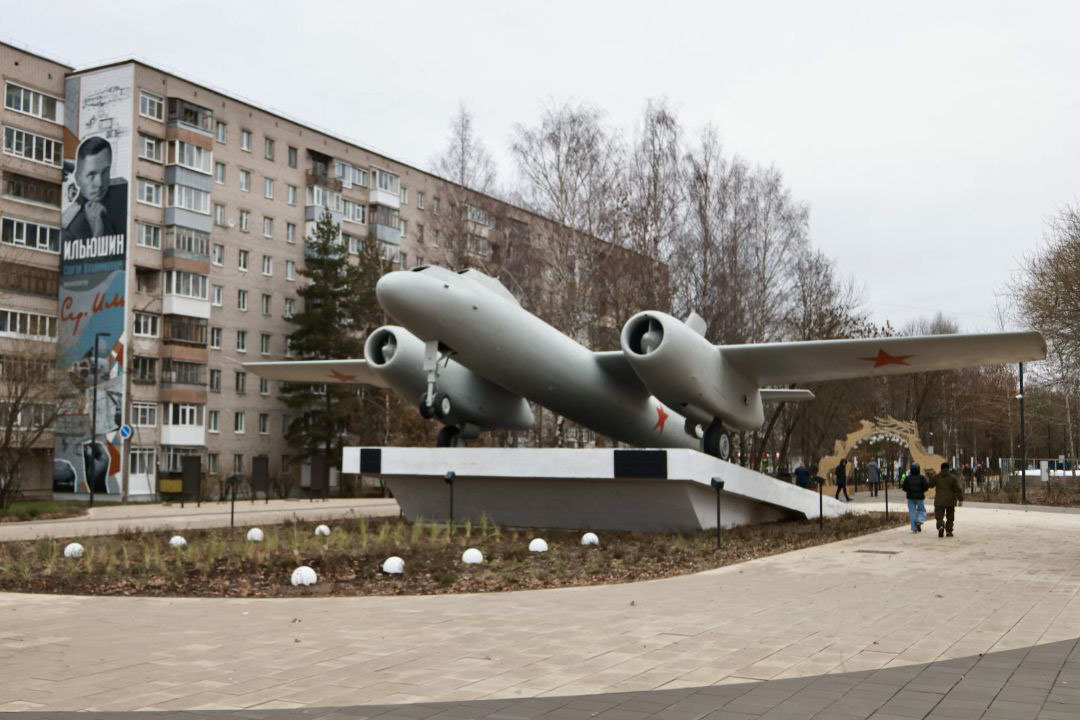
x=932, y=141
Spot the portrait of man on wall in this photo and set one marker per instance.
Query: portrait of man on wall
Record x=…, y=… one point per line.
x=101, y=205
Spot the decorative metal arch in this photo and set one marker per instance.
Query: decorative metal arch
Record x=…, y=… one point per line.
x=904, y=431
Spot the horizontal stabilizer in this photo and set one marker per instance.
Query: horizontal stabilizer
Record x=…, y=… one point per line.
x=817, y=360
x=785, y=395
x=319, y=372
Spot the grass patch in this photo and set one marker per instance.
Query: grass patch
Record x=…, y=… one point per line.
x=23, y=510
x=221, y=562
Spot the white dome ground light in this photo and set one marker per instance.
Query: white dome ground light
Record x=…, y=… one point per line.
x=590, y=539
x=304, y=575
x=472, y=556
x=255, y=535
x=393, y=565
x=177, y=541
x=73, y=550
x=538, y=545
x=322, y=531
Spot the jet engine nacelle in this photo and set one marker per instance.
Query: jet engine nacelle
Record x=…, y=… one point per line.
x=687, y=372
x=398, y=356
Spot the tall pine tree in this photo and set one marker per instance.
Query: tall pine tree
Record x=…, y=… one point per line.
x=339, y=309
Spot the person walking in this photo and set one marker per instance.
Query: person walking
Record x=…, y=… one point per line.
x=841, y=480
x=873, y=477
x=802, y=477
x=915, y=486
x=949, y=492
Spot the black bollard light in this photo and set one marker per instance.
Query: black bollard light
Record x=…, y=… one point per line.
x=886, y=499
x=821, y=503
x=449, y=478
x=718, y=486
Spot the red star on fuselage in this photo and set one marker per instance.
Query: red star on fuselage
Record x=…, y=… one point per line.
x=342, y=377
x=884, y=358
x=661, y=418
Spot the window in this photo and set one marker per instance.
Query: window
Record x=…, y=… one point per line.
x=264, y=386
x=187, y=240
x=436, y=238
x=403, y=224
x=144, y=370
x=190, y=156
x=222, y=131
x=151, y=106
x=355, y=212
x=268, y=227
x=266, y=304
x=288, y=346
x=290, y=232
x=264, y=423
x=264, y=343
x=215, y=295
x=146, y=324
x=144, y=414
x=268, y=265
x=435, y=205
x=219, y=215
x=213, y=421
x=174, y=456
x=177, y=372
x=420, y=200
x=420, y=233
x=290, y=307
x=183, y=414
x=212, y=463
x=245, y=217
x=354, y=244
x=290, y=194
x=31, y=146
x=238, y=463
x=215, y=380
x=188, y=198
x=292, y=156
x=238, y=422
x=32, y=235
x=404, y=195
x=384, y=180
x=240, y=382
x=186, y=284
x=184, y=330
x=241, y=300
x=241, y=340
x=148, y=192
x=268, y=188
x=403, y=260
x=22, y=187
x=150, y=148
x=219, y=173
x=187, y=113
x=148, y=235
x=217, y=255
x=242, y=260
x=143, y=461
x=245, y=140
x=215, y=338
x=31, y=102
x=290, y=270
x=419, y=260
x=145, y=280
x=268, y=148
x=245, y=180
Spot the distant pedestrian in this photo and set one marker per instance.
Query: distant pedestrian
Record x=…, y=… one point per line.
x=802, y=476
x=873, y=477
x=915, y=486
x=979, y=472
x=841, y=480
x=969, y=478
x=949, y=493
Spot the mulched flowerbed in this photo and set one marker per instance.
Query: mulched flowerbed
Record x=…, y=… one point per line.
x=222, y=563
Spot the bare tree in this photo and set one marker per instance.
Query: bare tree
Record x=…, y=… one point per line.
x=465, y=160
x=28, y=412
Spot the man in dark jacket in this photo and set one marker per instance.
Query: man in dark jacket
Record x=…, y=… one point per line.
x=101, y=206
x=841, y=480
x=949, y=491
x=915, y=486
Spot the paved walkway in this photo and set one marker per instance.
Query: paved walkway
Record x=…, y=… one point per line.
x=111, y=519
x=887, y=626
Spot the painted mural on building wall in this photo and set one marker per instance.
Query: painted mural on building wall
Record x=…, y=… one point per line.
x=98, y=119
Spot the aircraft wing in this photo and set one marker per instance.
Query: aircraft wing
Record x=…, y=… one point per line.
x=816, y=360
x=613, y=363
x=319, y=372
x=786, y=395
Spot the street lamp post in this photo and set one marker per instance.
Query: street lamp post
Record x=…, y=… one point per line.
x=93, y=417
x=1023, y=443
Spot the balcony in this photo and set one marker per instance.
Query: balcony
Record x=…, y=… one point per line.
x=322, y=178
x=386, y=198
x=387, y=234
x=183, y=435
x=188, y=115
x=185, y=330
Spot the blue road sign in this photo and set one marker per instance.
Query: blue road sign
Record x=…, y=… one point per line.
x=125, y=431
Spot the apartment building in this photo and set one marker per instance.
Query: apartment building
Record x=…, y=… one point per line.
x=185, y=262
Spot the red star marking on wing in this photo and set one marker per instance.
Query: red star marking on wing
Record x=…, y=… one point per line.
x=661, y=418
x=342, y=377
x=884, y=358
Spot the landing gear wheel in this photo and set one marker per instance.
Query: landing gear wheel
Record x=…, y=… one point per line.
x=693, y=429
x=716, y=441
x=443, y=406
x=426, y=411
x=448, y=437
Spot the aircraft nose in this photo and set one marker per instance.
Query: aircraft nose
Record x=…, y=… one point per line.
x=393, y=293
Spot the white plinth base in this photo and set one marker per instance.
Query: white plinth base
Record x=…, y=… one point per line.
x=653, y=490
